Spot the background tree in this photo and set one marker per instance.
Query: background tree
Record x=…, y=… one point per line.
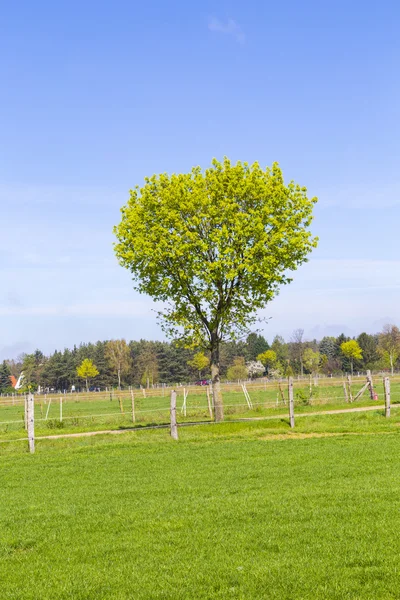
x=147, y=365
x=389, y=345
x=215, y=247
x=311, y=360
x=199, y=362
x=255, y=344
x=32, y=367
x=268, y=359
x=327, y=346
x=297, y=347
x=280, y=348
x=238, y=370
x=118, y=354
x=5, y=373
x=369, y=347
x=352, y=351
x=87, y=370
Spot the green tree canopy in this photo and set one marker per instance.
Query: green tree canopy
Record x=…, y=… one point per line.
x=5, y=372
x=118, y=356
x=389, y=345
x=352, y=351
x=311, y=360
x=87, y=370
x=238, y=370
x=214, y=247
x=199, y=362
x=268, y=358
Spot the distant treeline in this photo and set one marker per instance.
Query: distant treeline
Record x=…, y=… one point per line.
x=148, y=363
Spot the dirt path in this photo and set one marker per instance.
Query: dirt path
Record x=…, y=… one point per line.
x=191, y=424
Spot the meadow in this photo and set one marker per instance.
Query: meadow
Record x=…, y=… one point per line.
x=238, y=510
x=85, y=412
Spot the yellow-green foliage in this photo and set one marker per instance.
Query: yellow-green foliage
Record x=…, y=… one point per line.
x=87, y=369
x=351, y=350
x=267, y=358
x=199, y=361
x=311, y=360
x=215, y=245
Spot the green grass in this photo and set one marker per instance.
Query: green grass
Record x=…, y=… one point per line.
x=238, y=510
x=99, y=413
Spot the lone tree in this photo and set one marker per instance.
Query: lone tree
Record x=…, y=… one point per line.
x=352, y=351
x=86, y=371
x=214, y=246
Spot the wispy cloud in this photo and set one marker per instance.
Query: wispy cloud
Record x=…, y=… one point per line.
x=111, y=309
x=230, y=28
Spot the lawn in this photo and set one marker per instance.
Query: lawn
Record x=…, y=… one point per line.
x=238, y=510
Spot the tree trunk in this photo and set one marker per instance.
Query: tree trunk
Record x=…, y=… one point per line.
x=87, y=386
x=351, y=365
x=119, y=379
x=391, y=363
x=215, y=379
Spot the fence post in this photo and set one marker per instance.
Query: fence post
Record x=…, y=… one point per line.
x=48, y=408
x=345, y=391
x=349, y=387
x=183, y=410
x=386, y=387
x=209, y=404
x=31, y=422
x=133, y=406
x=291, y=403
x=174, y=428
x=121, y=405
x=26, y=412
x=371, y=385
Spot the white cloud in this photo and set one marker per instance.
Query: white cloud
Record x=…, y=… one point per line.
x=111, y=309
x=230, y=28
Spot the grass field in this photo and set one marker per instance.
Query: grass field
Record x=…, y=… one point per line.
x=238, y=510
x=91, y=412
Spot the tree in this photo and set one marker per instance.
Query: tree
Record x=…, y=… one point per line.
x=352, y=351
x=255, y=344
x=199, y=362
x=118, y=356
x=280, y=347
x=327, y=346
x=215, y=247
x=298, y=347
x=389, y=345
x=87, y=370
x=238, y=370
x=311, y=360
x=369, y=346
x=5, y=373
x=268, y=359
x=147, y=364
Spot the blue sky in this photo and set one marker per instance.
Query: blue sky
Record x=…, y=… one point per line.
x=97, y=95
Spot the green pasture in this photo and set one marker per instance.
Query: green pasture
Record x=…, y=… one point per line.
x=92, y=412
x=238, y=510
